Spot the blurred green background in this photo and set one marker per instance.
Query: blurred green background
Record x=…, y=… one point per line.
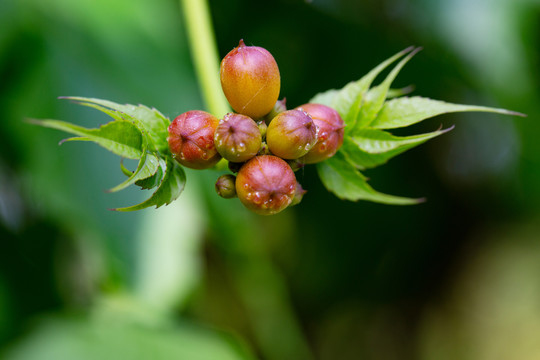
x=455, y=278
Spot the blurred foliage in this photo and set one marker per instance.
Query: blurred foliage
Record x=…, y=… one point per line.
x=455, y=277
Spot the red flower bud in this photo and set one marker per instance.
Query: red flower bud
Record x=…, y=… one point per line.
x=237, y=138
x=291, y=134
x=266, y=185
x=250, y=80
x=330, y=137
x=191, y=139
x=225, y=186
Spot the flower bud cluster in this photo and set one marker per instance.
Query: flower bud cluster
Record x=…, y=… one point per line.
x=263, y=142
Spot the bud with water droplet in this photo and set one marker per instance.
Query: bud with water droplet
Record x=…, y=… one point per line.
x=330, y=136
x=250, y=80
x=225, y=186
x=291, y=134
x=237, y=137
x=191, y=139
x=266, y=185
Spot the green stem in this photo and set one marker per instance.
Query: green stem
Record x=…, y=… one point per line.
x=205, y=55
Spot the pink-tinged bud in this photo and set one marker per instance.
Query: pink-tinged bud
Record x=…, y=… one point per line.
x=330, y=137
x=266, y=185
x=264, y=149
x=250, y=80
x=237, y=138
x=225, y=186
x=191, y=139
x=298, y=194
x=291, y=134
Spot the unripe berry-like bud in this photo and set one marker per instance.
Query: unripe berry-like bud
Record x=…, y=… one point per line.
x=225, y=186
x=266, y=185
x=330, y=137
x=237, y=138
x=250, y=80
x=291, y=134
x=262, y=128
x=264, y=149
x=191, y=139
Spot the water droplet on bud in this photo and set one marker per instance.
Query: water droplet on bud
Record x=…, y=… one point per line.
x=258, y=198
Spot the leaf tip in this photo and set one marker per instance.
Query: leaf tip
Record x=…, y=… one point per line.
x=444, y=131
x=407, y=50
x=421, y=200
x=415, y=51
x=32, y=121
x=515, y=113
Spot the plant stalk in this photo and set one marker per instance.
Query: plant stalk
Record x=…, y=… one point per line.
x=202, y=44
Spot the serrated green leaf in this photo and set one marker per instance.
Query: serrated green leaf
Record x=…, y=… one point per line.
x=125, y=171
x=169, y=189
x=363, y=160
x=153, y=121
x=325, y=98
x=152, y=181
x=348, y=100
x=376, y=141
x=394, y=93
x=372, y=147
x=341, y=177
x=149, y=182
x=120, y=137
x=376, y=96
x=147, y=167
x=407, y=111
